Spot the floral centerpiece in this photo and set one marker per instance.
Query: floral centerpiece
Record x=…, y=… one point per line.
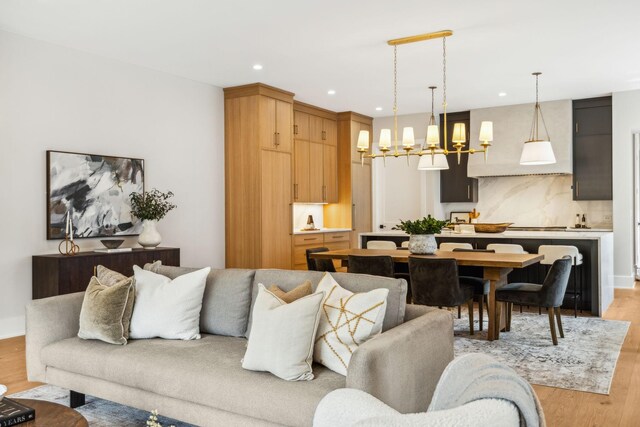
x=422, y=233
x=150, y=207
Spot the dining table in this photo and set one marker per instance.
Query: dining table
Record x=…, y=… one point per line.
x=495, y=266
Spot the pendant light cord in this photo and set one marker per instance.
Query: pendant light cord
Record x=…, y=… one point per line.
x=395, y=97
x=444, y=90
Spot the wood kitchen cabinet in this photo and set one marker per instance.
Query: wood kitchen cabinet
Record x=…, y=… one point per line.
x=258, y=176
x=315, y=159
x=331, y=240
x=455, y=184
x=592, y=149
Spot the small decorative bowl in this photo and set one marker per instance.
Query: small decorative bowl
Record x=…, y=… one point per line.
x=3, y=390
x=112, y=243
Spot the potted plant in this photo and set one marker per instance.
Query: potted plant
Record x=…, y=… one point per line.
x=422, y=232
x=150, y=207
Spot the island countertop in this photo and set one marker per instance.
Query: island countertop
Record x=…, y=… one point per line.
x=569, y=234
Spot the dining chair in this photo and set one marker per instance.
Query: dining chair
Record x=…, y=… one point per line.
x=549, y=295
x=506, y=248
x=319, y=264
x=375, y=265
x=381, y=244
x=435, y=282
x=405, y=244
x=450, y=246
x=553, y=252
x=474, y=276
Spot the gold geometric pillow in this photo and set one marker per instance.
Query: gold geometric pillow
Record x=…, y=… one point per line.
x=108, y=277
x=294, y=294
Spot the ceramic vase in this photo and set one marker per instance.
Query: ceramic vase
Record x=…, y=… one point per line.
x=149, y=238
x=422, y=244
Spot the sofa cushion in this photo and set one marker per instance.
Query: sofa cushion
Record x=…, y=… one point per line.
x=288, y=280
x=226, y=302
x=205, y=371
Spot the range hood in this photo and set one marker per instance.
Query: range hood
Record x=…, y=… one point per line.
x=511, y=127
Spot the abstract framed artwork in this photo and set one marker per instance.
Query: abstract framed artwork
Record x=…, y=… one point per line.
x=94, y=190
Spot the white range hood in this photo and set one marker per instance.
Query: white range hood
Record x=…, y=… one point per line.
x=511, y=127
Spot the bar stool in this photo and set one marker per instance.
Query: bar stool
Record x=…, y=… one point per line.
x=381, y=244
x=506, y=248
x=449, y=247
x=552, y=253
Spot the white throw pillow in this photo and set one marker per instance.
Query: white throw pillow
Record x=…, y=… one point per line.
x=282, y=335
x=347, y=320
x=166, y=308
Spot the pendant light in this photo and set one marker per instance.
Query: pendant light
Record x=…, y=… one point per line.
x=537, y=151
x=435, y=160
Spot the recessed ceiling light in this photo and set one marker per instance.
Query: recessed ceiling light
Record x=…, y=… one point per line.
x=378, y=108
x=257, y=67
x=502, y=94
x=331, y=92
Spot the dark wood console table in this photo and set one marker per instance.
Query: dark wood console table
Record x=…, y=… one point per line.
x=58, y=274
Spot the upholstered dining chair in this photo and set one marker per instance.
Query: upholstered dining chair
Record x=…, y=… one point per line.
x=381, y=244
x=435, y=282
x=549, y=295
x=319, y=264
x=450, y=246
x=474, y=276
x=375, y=265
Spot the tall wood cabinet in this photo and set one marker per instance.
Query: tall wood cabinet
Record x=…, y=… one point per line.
x=353, y=208
x=455, y=184
x=592, y=149
x=258, y=176
x=315, y=178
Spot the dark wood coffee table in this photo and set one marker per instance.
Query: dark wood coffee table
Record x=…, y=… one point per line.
x=52, y=414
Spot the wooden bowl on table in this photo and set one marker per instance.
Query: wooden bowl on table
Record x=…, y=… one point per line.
x=492, y=228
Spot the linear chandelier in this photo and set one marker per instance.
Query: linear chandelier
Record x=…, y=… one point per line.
x=430, y=149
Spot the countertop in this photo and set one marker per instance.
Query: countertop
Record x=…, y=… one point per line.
x=322, y=230
x=593, y=234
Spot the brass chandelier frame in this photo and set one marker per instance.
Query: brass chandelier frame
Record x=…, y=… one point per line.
x=431, y=148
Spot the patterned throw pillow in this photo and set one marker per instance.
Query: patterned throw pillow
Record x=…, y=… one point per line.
x=294, y=294
x=108, y=277
x=346, y=321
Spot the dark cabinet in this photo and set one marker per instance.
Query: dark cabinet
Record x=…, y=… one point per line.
x=58, y=274
x=455, y=185
x=592, y=149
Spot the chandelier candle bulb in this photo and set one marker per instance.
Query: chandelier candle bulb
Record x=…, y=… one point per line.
x=486, y=137
x=385, y=139
x=408, y=140
x=459, y=136
x=363, y=140
x=433, y=136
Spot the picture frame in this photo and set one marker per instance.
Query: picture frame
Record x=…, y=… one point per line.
x=459, y=218
x=93, y=189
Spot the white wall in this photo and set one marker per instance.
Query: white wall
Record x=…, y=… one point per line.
x=626, y=121
x=57, y=98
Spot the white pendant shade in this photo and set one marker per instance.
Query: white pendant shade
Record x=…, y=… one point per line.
x=435, y=163
x=408, y=140
x=363, y=140
x=433, y=135
x=385, y=138
x=537, y=153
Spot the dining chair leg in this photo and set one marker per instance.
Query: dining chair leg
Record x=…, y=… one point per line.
x=575, y=291
x=470, y=305
x=559, y=319
x=480, y=310
x=552, y=326
x=498, y=314
x=520, y=308
x=459, y=312
x=509, y=313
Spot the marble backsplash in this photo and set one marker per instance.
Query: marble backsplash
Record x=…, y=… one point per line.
x=534, y=200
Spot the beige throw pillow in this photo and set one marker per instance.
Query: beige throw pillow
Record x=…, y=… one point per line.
x=282, y=335
x=102, y=311
x=347, y=320
x=294, y=294
x=109, y=278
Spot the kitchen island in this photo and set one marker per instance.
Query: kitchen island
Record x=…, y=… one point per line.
x=595, y=274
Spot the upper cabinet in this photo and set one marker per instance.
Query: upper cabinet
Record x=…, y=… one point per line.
x=315, y=177
x=276, y=128
x=592, y=145
x=455, y=184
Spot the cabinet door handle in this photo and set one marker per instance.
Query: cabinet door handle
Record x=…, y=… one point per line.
x=577, y=188
x=295, y=191
x=324, y=135
x=295, y=129
x=576, y=127
x=311, y=238
x=468, y=191
x=324, y=193
x=353, y=217
x=337, y=237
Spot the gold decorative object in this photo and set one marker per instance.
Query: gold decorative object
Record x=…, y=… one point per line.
x=389, y=146
x=67, y=246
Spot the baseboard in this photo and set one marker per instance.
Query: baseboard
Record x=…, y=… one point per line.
x=624, y=282
x=11, y=327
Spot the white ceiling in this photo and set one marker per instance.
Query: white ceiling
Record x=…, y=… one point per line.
x=584, y=48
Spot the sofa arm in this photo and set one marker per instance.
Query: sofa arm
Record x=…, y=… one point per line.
x=402, y=366
x=49, y=320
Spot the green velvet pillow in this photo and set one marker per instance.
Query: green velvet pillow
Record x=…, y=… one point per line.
x=108, y=277
x=103, y=310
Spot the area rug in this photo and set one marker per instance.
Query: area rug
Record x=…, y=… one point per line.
x=98, y=412
x=584, y=360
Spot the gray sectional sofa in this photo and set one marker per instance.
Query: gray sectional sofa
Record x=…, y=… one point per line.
x=202, y=381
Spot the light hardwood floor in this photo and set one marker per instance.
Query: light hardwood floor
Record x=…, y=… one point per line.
x=565, y=408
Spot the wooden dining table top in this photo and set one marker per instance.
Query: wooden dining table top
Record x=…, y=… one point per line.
x=478, y=259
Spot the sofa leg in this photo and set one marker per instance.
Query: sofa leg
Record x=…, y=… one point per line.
x=76, y=399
